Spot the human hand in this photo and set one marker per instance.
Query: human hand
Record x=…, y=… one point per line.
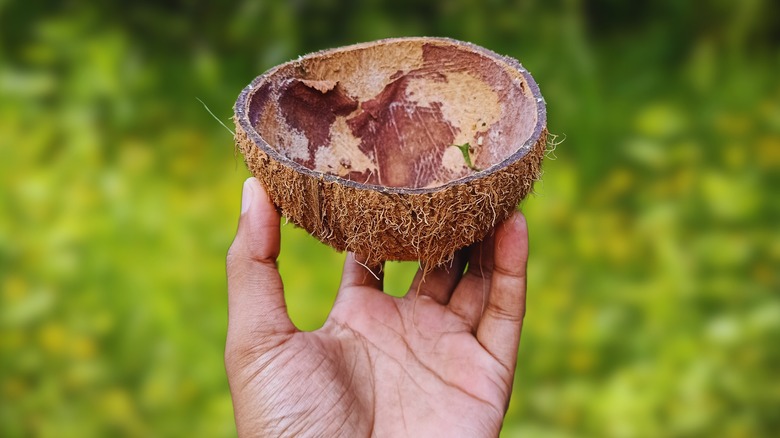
x=438, y=362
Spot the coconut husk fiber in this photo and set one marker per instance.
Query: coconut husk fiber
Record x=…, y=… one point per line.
x=398, y=149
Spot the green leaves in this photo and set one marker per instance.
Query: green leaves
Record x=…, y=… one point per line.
x=465, y=149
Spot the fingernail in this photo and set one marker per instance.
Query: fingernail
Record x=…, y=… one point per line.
x=246, y=195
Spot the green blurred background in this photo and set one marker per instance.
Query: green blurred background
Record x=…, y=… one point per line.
x=653, y=286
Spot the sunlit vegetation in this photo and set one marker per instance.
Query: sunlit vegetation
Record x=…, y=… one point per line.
x=653, y=282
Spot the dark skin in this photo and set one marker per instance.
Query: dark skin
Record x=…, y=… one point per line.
x=438, y=362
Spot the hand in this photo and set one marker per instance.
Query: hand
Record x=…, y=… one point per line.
x=438, y=362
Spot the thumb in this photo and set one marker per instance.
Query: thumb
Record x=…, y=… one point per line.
x=257, y=313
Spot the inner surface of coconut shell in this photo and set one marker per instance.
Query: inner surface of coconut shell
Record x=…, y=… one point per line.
x=396, y=114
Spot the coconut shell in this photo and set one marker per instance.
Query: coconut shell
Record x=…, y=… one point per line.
x=398, y=149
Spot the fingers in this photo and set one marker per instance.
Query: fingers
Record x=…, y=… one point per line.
x=356, y=278
x=501, y=323
x=256, y=307
x=356, y=273
x=471, y=295
x=439, y=282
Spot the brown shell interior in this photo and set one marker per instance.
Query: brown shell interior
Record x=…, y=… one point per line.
x=392, y=113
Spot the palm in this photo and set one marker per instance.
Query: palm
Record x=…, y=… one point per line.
x=438, y=362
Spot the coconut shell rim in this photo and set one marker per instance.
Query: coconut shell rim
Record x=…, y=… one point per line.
x=244, y=98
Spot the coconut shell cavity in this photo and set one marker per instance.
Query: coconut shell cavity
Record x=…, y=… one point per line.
x=398, y=149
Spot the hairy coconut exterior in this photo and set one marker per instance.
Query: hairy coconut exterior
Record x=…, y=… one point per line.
x=384, y=222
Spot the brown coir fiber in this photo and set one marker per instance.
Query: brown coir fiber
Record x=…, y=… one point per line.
x=355, y=144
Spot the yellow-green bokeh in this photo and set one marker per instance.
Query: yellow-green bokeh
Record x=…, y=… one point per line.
x=653, y=281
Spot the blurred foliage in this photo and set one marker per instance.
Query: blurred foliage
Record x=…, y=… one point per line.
x=653, y=294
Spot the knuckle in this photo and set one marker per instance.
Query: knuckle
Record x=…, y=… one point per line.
x=503, y=314
x=516, y=273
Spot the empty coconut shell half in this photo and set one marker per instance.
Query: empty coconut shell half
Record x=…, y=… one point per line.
x=398, y=149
